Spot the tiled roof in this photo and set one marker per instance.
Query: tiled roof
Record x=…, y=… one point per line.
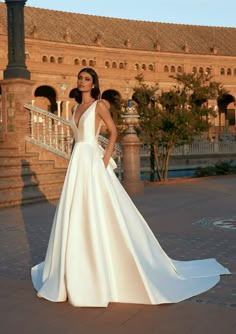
x=83, y=29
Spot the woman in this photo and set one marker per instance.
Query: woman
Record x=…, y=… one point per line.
x=101, y=249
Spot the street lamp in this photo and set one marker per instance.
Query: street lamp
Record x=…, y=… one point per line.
x=16, y=67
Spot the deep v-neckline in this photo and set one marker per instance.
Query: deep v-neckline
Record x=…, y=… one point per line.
x=77, y=125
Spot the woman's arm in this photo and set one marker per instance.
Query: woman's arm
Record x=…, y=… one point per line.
x=72, y=112
x=104, y=113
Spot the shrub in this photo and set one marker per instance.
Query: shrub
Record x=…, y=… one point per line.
x=220, y=168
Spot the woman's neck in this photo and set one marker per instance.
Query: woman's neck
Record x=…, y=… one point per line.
x=86, y=98
x=87, y=101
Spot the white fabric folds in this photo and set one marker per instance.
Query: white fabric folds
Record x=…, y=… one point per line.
x=101, y=249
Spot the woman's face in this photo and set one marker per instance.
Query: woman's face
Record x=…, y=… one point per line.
x=85, y=82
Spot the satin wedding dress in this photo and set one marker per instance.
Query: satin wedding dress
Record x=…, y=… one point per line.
x=101, y=249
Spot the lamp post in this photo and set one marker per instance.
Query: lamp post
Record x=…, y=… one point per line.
x=131, y=152
x=16, y=67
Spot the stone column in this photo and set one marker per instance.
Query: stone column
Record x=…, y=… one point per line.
x=223, y=120
x=16, y=67
x=67, y=116
x=16, y=119
x=16, y=86
x=58, y=108
x=131, y=153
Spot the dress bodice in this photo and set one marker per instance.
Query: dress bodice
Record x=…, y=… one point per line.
x=85, y=130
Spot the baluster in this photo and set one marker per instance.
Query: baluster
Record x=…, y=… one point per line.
x=119, y=165
x=50, y=131
x=56, y=135
x=68, y=146
x=44, y=129
x=62, y=143
x=38, y=126
x=31, y=124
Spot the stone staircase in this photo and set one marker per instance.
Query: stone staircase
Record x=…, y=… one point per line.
x=37, y=174
x=27, y=178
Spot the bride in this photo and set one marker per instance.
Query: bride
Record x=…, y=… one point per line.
x=101, y=249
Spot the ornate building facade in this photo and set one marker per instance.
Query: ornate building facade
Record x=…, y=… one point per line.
x=58, y=44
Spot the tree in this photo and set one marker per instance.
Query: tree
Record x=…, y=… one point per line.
x=175, y=117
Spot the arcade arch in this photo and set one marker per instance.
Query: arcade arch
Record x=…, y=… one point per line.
x=45, y=98
x=227, y=110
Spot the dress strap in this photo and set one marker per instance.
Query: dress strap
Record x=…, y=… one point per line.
x=74, y=107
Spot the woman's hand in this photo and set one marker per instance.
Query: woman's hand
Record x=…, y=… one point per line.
x=105, y=161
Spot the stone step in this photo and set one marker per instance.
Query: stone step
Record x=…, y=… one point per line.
x=45, y=169
x=26, y=179
x=8, y=149
x=29, y=195
x=16, y=154
x=32, y=180
x=15, y=162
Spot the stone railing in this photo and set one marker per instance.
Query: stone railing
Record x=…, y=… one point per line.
x=49, y=131
x=53, y=133
x=198, y=148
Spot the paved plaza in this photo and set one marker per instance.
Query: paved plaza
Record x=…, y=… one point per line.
x=192, y=220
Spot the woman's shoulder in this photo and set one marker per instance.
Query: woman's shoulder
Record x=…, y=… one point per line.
x=102, y=103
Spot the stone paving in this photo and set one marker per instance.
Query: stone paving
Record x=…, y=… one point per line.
x=191, y=220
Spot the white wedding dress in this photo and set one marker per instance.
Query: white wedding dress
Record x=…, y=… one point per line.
x=101, y=249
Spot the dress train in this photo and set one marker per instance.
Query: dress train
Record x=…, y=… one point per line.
x=101, y=249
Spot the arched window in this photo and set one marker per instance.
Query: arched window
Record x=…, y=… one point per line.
x=84, y=62
x=121, y=65
x=166, y=68
x=144, y=67
x=91, y=62
x=151, y=67
x=222, y=71
x=107, y=64
x=180, y=69
x=114, y=65
x=194, y=70
x=235, y=71
x=76, y=61
x=229, y=72
x=60, y=60
x=44, y=59
x=201, y=70
x=172, y=69
x=136, y=67
x=52, y=59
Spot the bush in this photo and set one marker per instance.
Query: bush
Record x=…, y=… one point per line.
x=220, y=168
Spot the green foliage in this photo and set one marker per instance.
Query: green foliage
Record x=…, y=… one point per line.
x=220, y=168
x=174, y=117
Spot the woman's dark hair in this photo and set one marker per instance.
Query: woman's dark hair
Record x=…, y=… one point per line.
x=95, y=92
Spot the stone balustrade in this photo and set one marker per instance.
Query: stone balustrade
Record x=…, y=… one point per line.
x=198, y=148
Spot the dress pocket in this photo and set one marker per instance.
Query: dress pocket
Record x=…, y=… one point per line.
x=112, y=162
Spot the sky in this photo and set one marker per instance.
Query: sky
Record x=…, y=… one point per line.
x=197, y=12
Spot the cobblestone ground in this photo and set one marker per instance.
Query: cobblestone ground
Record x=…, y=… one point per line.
x=191, y=221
